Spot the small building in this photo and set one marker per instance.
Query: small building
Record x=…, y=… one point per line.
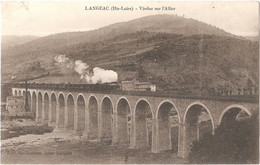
x=127, y=85
x=142, y=86
x=137, y=86
x=15, y=105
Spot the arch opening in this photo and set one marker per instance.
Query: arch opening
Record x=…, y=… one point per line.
x=143, y=125
x=168, y=127
x=19, y=93
x=107, y=120
x=70, y=108
x=45, y=115
x=34, y=104
x=29, y=101
x=198, y=123
x=53, y=110
x=232, y=115
x=39, y=112
x=23, y=93
x=123, y=122
x=81, y=113
x=15, y=93
x=61, y=112
x=93, y=117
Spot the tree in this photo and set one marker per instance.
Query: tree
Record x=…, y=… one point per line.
x=236, y=143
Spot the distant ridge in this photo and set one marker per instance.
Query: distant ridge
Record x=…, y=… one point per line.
x=156, y=23
x=11, y=40
x=252, y=38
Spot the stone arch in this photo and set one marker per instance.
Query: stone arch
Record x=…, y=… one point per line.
x=230, y=113
x=123, y=121
x=61, y=111
x=194, y=116
x=23, y=92
x=39, y=112
x=33, y=106
x=108, y=97
x=204, y=106
x=123, y=97
x=143, y=124
x=93, y=117
x=170, y=102
x=71, y=111
x=168, y=119
x=81, y=106
x=142, y=99
x=107, y=109
x=52, y=117
x=45, y=114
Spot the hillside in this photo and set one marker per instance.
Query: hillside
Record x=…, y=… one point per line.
x=175, y=61
x=172, y=52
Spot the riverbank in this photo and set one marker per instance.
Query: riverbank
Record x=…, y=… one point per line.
x=18, y=127
x=67, y=147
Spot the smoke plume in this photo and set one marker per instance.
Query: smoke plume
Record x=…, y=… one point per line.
x=101, y=75
x=97, y=75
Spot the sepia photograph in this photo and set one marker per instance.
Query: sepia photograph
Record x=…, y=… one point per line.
x=118, y=82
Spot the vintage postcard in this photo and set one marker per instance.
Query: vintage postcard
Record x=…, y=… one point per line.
x=155, y=82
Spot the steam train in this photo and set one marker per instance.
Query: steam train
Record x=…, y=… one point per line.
x=114, y=86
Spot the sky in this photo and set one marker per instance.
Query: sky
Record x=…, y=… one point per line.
x=41, y=18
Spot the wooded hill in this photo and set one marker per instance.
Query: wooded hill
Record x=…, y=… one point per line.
x=173, y=52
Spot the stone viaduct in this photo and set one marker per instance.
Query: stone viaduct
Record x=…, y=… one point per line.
x=122, y=117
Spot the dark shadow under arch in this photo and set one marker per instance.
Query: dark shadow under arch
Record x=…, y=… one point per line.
x=168, y=127
x=81, y=113
x=46, y=108
x=53, y=110
x=61, y=116
x=71, y=111
x=107, y=120
x=233, y=113
x=198, y=122
x=33, y=109
x=143, y=124
x=123, y=122
x=93, y=117
x=39, y=113
x=29, y=97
